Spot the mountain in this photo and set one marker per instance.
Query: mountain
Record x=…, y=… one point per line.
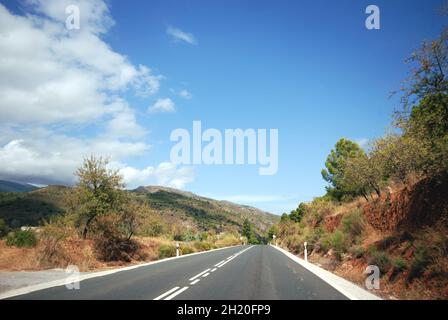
x=204, y=213
x=9, y=186
x=171, y=208
x=31, y=208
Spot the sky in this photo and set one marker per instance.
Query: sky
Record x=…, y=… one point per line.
x=136, y=70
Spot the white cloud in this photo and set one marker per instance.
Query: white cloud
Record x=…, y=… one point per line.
x=179, y=35
x=41, y=156
x=61, y=96
x=165, y=174
x=52, y=75
x=185, y=94
x=163, y=105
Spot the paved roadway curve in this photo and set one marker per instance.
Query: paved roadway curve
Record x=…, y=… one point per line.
x=237, y=273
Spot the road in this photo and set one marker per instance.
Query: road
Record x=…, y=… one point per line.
x=237, y=273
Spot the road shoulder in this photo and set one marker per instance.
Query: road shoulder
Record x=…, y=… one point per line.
x=347, y=288
x=32, y=281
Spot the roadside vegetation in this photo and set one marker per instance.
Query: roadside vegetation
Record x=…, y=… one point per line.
x=103, y=225
x=387, y=204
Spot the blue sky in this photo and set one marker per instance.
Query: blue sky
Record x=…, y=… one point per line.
x=308, y=68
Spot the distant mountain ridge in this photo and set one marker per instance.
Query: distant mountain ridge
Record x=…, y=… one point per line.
x=205, y=212
x=172, y=207
x=10, y=186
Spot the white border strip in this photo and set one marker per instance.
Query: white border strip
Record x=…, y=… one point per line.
x=62, y=282
x=347, y=288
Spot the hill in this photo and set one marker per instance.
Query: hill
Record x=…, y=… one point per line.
x=31, y=208
x=204, y=213
x=9, y=186
x=172, y=207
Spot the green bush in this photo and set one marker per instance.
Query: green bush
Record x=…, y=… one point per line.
x=421, y=260
x=380, y=259
x=337, y=241
x=166, y=251
x=188, y=236
x=357, y=251
x=203, y=236
x=21, y=238
x=353, y=223
x=399, y=264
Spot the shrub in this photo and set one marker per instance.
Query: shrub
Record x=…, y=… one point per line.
x=203, y=246
x=109, y=241
x=227, y=240
x=51, y=251
x=380, y=259
x=353, y=223
x=203, y=236
x=336, y=240
x=387, y=242
x=399, y=264
x=421, y=260
x=357, y=252
x=187, y=250
x=21, y=238
x=166, y=251
x=188, y=236
x=116, y=249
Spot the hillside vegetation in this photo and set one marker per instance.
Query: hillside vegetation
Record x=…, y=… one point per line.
x=97, y=223
x=387, y=204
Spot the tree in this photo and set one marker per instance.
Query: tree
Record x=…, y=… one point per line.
x=98, y=193
x=362, y=175
x=428, y=123
x=247, y=229
x=284, y=217
x=272, y=231
x=297, y=214
x=398, y=156
x=335, y=166
x=428, y=72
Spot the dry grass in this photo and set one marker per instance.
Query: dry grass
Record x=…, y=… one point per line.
x=17, y=259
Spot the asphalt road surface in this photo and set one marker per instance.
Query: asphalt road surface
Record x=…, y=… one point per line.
x=237, y=273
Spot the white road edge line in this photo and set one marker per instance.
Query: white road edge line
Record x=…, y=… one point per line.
x=195, y=281
x=176, y=293
x=199, y=274
x=206, y=275
x=347, y=288
x=62, y=282
x=213, y=270
x=166, y=293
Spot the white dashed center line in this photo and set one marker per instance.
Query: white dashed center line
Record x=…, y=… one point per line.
x=170, y=294
x=199, y=274
x=176, y=293
x=166, y=293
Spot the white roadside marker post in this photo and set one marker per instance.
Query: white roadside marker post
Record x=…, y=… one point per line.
x=177, y=249
x=273, y=238
x=305, y=254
